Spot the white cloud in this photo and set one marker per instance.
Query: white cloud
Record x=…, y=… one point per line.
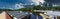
x=17, y=6
x=20, y=5
x=34, y=2
x=37, y=2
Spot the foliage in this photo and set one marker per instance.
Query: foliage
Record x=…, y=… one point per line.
x=39, y=7
x=25, y=9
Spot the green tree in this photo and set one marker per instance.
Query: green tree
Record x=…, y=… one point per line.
x=38, y=7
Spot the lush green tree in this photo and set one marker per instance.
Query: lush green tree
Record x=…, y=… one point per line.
x=38, y=7
x=25, y=9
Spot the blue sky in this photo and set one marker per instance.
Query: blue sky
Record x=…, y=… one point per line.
x=11, y=3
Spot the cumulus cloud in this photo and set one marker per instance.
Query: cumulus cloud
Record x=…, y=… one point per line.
x=18, y=6
x=37, y=2
x=32, y=2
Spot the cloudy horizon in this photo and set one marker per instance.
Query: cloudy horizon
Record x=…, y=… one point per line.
x=12, y=4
